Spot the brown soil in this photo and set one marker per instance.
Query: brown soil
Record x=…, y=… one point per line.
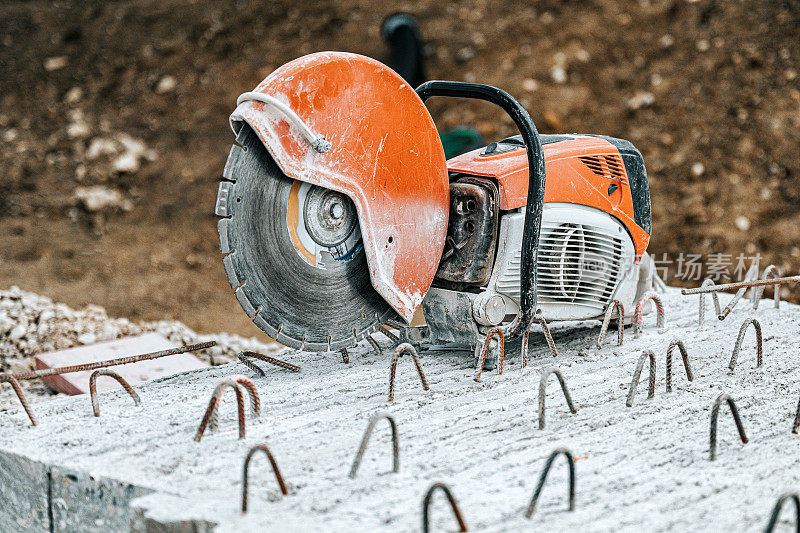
x=721, y=137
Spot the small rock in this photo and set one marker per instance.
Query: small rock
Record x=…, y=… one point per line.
x=55, y=63
x=166, y=84
x=742, y=223
x=530, y=85
x=18, y=332
x=698, y=169
x=99, y=198
x=87, y=338
x=640, y=99
x=465, y=54
x=666, y=41
x=73, y=96
x=559, y=74
x=702, y=45
x=100, y=146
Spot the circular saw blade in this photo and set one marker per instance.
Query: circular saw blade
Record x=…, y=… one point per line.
x=301, y=305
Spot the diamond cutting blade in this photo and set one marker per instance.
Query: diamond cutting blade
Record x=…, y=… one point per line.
x=294, y=256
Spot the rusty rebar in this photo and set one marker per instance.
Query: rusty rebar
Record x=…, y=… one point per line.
x=776, y=511
x=715, y=415
x=255, y=400
x=426, y=502
x=616, y=304
x=365, y=439
x=740, y=284
x=677, y=343
x=10, y=379
x=660, y=321
x=110, y=373
x=752, y=274
x=383, y=329
x=482, y=359
x=375, y=345
x=796, y=424
x=275, y=470
x=112, y=362
x=651, y=391
x=714, y=296
x=543, y=478
x=543, y=391
x=538, y=318
x=214, y=403
x=400, y=350
x=271, y=360
x=770, y=272
x=345, y=355
x=738, y=346
x=245, y=360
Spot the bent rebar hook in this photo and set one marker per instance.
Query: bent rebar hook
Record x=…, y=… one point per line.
x=677, y=343
x=738, y=346
x=255, y=401
x=426, y=502
x=214, y=402
x=482, y=358
x=537, y=319
x=275, y=470
x=543, y=390
x=776, y=512
x=8, y=378
x=616, y=304
x=543, y=478
x=651, y=390
x=715, y=415
x=365, y=439
x=770, y=272
x=405, y=348
x=660, y=320
x=714, y=296
x=110, y=373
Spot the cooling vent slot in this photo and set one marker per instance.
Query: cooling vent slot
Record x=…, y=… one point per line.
x=607, y=166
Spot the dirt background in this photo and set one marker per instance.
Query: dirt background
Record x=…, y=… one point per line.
x=133, y=97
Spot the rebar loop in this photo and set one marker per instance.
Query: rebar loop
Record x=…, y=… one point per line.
x=677, y=343
x=538, y=318
x=375, y=345
x=110, y=373
x=245, y=470
x=8, y=378
x=660, y=321
x=345, y=355
x=751, y=275
x=714, y=296
x=715, y=415
x=482, y=358
x=271, y=360
x=214, y=403
x=426, y=503
x=796, y=425
x=391, y=336
x=738, y=346
x=770, y=272
x=400, y=350
x=543, y=391
x=255, y=400
x=616, y=304
x=651, y=391
x=245, y=360
x=543, y=478
x=365, y=439
x=776, y=512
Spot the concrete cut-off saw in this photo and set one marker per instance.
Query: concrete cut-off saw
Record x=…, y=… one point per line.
x=340, y=214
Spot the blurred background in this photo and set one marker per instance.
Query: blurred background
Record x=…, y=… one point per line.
x=114, y=132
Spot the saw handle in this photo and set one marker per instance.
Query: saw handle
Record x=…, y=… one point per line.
x=536, y=182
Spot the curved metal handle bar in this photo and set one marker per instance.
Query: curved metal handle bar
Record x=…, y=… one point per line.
x=270, y=360
x=539, y=319
x=752, y=274
x=426, y=502
x=255, y=401
x=715, y=416
x=651, y=391
x=110, y=373
x=405, y=348
x=708, y=282
x=740, y=339
x=770, y=272
x=214, y=402
x=8, y=378
x=536, y=184
x=245, y=470
x=365, y=439
x=482, y=359
x=677, y=343
x=543, y=478
x=776, y=512
x=543, y=391
x=317, y=142
x=616, y=304
x=660, y=321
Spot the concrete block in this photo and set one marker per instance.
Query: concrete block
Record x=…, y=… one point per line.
x=23, y=494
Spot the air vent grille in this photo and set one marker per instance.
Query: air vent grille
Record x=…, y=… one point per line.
x=607, y=166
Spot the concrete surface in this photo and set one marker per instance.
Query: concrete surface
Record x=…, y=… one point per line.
x=640, y=468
